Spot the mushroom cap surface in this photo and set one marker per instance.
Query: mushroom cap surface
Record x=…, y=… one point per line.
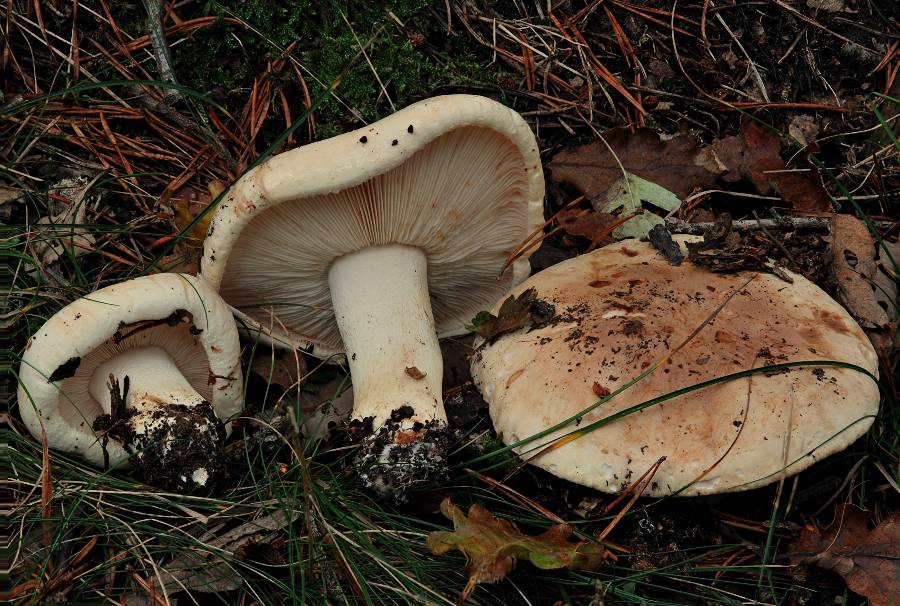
x=80, y=337
x=622, y=308
x=457, y=176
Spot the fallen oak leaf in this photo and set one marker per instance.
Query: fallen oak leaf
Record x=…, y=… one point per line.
x=514, y=313
x=854, y=269
x=492, y=546
x=186, y=205
x=189, y=203
x=886, y=277
x=869, y=561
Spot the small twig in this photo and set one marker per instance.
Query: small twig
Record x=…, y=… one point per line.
x=753, y=69
x=811, y=21
x=677, y=226
x=155, y=14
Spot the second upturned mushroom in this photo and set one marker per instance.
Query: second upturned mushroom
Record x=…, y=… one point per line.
x=146, y=372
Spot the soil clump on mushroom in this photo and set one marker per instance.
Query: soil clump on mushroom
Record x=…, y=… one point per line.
x=396, y=460
x=173, y=439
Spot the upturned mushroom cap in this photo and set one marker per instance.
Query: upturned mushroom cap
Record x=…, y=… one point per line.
x=621, y=309
x=178, y=313
x=457, y=176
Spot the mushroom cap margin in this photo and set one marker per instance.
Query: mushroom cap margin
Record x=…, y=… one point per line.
x=87, y=323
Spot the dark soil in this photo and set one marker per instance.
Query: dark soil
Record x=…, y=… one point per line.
x=392, y=462
x=169, y=445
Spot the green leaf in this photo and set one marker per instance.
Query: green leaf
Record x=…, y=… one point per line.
x=627, y=194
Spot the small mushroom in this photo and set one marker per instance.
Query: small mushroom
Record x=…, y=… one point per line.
x=621, y=309
x=146, y=371
x=358, y=245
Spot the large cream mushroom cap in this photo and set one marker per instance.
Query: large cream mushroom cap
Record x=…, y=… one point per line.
x=74, y=343
x=618, y=311
x=457, y=176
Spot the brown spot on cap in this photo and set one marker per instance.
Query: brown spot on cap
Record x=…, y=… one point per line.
x=723, y=337
x=415, y=373
x=833, y=321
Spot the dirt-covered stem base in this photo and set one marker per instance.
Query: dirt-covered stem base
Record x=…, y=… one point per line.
x=383, y=311
x=170, y=431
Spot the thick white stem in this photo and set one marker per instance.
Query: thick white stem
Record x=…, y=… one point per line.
x=380, y=299
x=154, y=380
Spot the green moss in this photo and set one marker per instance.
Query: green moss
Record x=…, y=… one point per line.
x=224, y=58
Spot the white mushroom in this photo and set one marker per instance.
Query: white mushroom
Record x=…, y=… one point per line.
x=377, y=243
x=623, y=308
x=146, y=371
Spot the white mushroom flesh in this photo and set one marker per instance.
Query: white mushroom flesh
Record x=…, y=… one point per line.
x=154, y=380
x=382, y=308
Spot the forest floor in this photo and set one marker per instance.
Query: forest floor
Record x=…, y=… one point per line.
x=121, y=122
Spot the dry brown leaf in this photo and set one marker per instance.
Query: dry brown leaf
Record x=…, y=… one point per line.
x=677, y=164
x=492, y=546
x=854, y=269
x=593, y=225
x=755, y=154
x=73, y=236
x=869, y=561
x=188, y=203
x=284, y=369
x=804, y=128
x=210, y=569
x=886, y=280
